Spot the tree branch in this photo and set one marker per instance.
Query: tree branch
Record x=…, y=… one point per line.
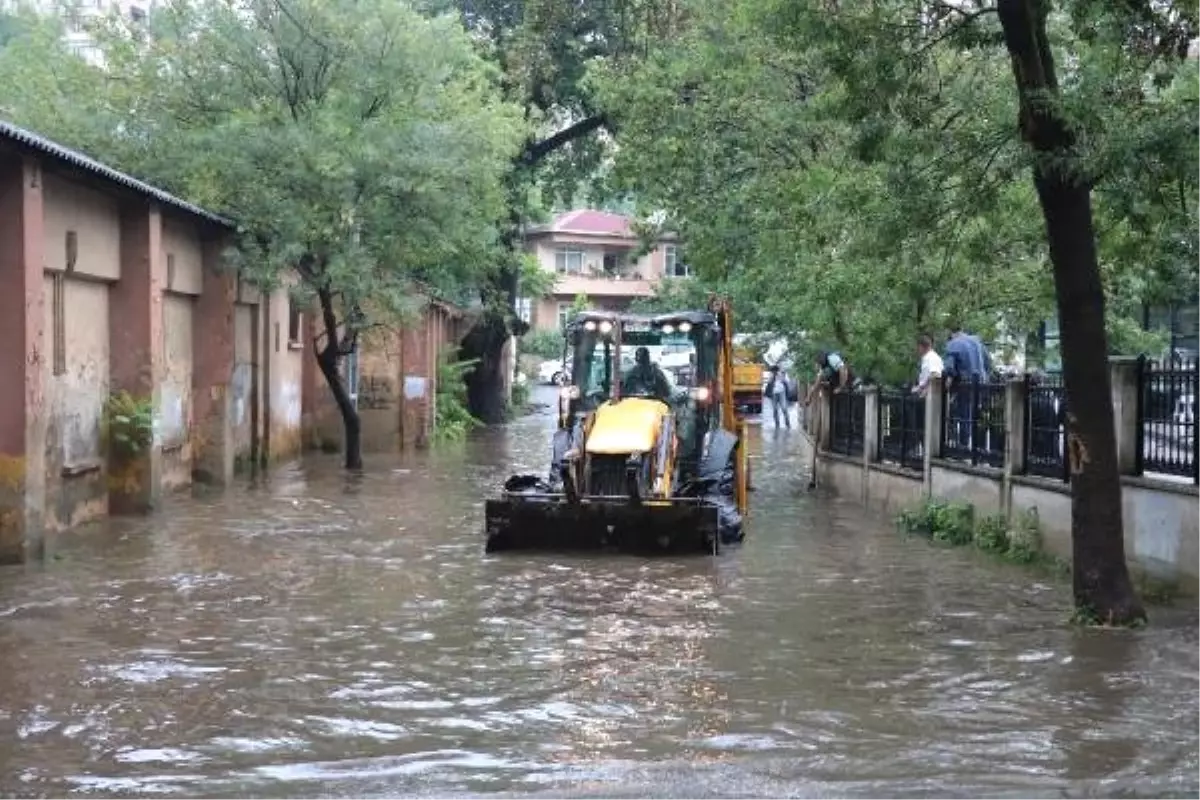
x=536, y=151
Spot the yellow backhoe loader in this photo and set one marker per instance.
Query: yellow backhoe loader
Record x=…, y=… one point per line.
x=645, y=458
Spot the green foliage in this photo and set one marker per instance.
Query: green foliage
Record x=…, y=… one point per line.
x=127, y=425
x=855, y=169
x=366, y=152
x=949, y=523
x=543, y=343
x=452, y=421
x=1019, y=541
x=520, y=398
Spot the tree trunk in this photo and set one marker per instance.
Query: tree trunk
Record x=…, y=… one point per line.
x=1102, y=588
x=486, y=398
x=328, y=357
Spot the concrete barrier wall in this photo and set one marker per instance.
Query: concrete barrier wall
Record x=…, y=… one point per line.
x=1161, y=520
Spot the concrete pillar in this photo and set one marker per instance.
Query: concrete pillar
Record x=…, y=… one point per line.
x=212, y=371
x=933, y=429
x=311, y=379
x=1016, y=397
x=870, y=424
x=824, y=419
x=22, y=391
x=136, y=337
x=414, y=349
x=1124, y=373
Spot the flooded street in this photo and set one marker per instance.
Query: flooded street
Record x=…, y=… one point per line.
x=325, y=635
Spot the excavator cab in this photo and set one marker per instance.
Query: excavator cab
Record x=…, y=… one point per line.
x=647, y=455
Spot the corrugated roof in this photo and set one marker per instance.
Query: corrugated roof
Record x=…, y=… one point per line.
x=590, y=221
x=76, y=159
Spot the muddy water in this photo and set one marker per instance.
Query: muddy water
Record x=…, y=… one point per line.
x=323, y=635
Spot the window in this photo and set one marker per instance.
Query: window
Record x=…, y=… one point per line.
x=612, y=264
x=568, y=260
x=524, y=309
x=674, y=267
x=170, y=271
x=293, y=322
x=564, y=314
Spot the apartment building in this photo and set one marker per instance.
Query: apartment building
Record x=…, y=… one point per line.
x=77, y=13
x=596, y=254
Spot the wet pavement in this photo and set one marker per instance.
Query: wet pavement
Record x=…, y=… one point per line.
x=326, y=635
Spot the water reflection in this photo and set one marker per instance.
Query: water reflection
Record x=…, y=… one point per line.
x=323, y=634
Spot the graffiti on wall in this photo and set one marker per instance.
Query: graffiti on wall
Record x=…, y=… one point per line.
x=376, y=393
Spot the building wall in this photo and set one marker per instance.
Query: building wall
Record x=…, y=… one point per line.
x=82, y=256
x=397, y=384
x=286, y=378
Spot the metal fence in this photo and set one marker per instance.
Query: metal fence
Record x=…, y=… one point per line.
x=1167, y=431
x=848, y=412
x=974, y=425
x=1045, y=428
x=901, y=433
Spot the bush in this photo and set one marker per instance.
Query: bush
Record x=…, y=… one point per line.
x=1025, y=537
x=127, y=425
x=520, y=397
x=950, y=523
x=452, y=421
x=955, y=524
x=545, y=344
x=991, y=534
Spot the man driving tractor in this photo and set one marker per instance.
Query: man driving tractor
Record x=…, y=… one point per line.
x=646, y=378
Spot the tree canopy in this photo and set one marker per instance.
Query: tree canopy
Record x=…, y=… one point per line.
x=854, y=171
x=362, y=146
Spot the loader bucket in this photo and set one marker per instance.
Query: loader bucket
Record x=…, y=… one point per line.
x=551, y=523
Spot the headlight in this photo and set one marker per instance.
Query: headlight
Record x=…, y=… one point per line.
x=606, y=327
x=668, y=329
x=589, y=325
x=569, y=392
x=700, y=394
x=684, y=327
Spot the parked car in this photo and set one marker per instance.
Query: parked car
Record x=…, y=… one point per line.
x=551, y=373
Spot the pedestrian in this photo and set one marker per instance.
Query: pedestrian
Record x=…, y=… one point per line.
x=832, y=372
x=967, y=362
x=777, y=392
x=930, y=364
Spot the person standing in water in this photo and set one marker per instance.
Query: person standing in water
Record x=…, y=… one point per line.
x=777, y=393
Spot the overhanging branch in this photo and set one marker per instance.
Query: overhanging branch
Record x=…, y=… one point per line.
x=536, y=151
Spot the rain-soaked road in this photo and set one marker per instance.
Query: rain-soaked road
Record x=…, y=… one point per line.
x=324, y=635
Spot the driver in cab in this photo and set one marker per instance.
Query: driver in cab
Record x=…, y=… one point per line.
x=646, y=378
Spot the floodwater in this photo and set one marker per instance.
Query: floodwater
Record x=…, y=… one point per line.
x=324, y=635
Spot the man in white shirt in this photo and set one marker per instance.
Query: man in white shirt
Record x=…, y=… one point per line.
x=931, y=364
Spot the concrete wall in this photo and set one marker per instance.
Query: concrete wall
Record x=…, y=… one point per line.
x=397, y=384
x=286, y=378
x=1161, y=519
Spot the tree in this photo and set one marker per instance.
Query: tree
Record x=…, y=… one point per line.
x=1101, y=578
x=360, y=146
x=854, y=168
x=545, y=49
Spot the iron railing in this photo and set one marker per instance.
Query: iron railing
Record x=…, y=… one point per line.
x=901, y=432
x=1167, y=430
x=848, y=413
x=974, y=425
x=1045, y=428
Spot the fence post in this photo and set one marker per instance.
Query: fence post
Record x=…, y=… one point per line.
x=825, y=415
x=870, y=424
x=933, y=432
x=1124, y=373
x=1016, y=396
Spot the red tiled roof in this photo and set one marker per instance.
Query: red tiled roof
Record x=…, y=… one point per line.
x=597, y=222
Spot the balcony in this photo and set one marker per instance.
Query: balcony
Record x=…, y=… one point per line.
x=603, y=285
